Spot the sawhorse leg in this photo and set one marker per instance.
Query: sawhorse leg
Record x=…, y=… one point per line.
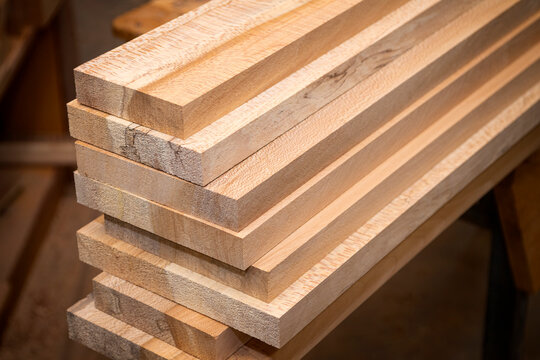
x=506, y=304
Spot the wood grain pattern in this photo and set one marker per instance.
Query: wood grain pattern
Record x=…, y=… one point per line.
x=283, y=219
x=353, y=297
x=174, y=324
x=90, y=326
x=180, y=84
x=278, y=268
x=212, y=151
x=278, y=321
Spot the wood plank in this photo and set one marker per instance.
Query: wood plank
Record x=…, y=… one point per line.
x=283, y=264
x=283, y=219
x=323, y=324
x=278, y=321
x=212, y=151
x=160, y=151
x=176, y=325
x=90, y=326
x=180, y=85
x=54, y=153
x=150, y=15
x=518, y=197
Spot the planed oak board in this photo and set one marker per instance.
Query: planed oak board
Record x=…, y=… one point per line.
x=278, y=222
x=353, y=297
x=278, y=321
x=278, y=268
x=209, y=153
x=174, y=324
x=187, y=73
x=245, y=192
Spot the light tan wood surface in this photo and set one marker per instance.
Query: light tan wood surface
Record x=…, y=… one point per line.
x=246, y=191
x=210, y=152
x=283, y=264
x=278, y=321
x=176, y=325
x=518, y=199
x=282, y=219
x=180, y=85
x=306, y=339
x=127, y=341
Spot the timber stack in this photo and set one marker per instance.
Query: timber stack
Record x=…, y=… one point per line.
x=258, y=163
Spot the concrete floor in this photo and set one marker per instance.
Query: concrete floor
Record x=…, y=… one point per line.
x=432, y=309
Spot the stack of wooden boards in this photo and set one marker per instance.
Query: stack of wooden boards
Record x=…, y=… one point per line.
x=264, y=165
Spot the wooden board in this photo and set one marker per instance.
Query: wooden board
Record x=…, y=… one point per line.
x=212, y=151
x=174, y=324
x=309, y=336
x=283, y=264
x=171, y=79
x=128, y=342
x=278, y=321
x=517, y=199
x=278, y=222
x=151, y=15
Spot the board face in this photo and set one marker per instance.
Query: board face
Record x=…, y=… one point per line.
x=277, y=269
x=277, y=223
x=174, y=324
x=177, y=85
x=309, y=336
x=209, y=153
x=91, y=327
x=278, y=321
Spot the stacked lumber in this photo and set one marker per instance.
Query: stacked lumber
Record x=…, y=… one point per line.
x=264, y=166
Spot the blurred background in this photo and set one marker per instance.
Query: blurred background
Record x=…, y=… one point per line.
x=433, y=308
